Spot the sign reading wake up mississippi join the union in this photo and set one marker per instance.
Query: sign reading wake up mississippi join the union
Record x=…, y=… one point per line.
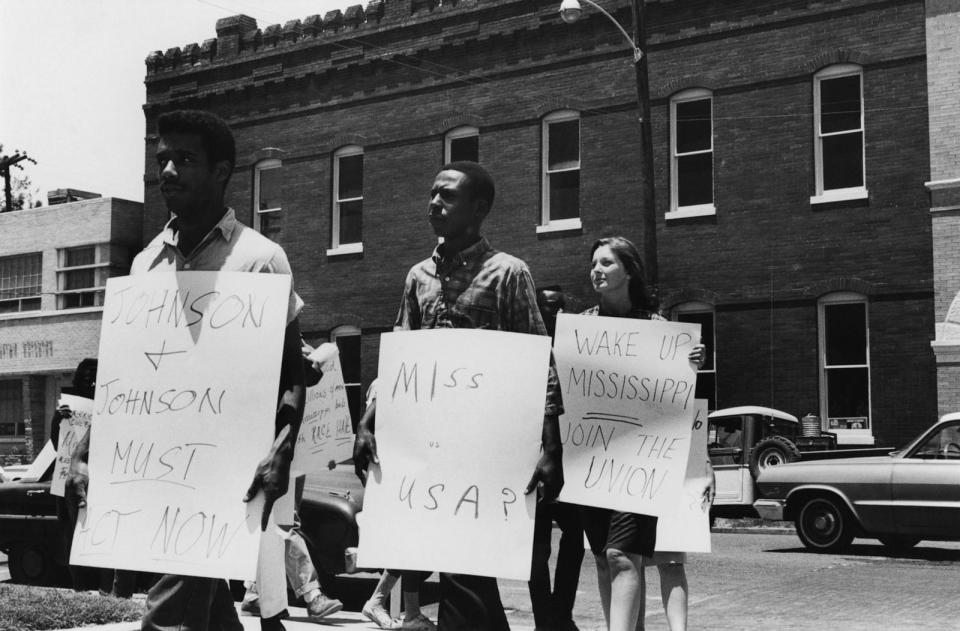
x=628, y=391
x=184, y=410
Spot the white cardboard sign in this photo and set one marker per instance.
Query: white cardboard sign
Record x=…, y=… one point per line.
x=459, y=422
x=72, y=431
x=628, y=388
x=184, y=410
x=686, y=527
x=326, y=432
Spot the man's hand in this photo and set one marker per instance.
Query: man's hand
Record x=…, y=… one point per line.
x=365, y=444
x=273, y=478
x=78, y=478
x=710, y=491
x=548, y=476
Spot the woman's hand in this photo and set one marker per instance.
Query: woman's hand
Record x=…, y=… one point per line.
x=698, y=355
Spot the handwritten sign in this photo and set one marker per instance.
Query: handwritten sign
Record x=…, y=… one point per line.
x=184, y=410
x=686, y=527
x=459, y=421
x=326, y=432
x=72, y=431
x=628, y=394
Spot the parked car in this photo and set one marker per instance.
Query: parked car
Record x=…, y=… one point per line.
x=745, y=440
x=901, y=498
x=31, y=536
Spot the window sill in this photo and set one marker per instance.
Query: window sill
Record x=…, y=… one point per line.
x=346, y=248
x=701, y=210
x=840, y=195
x=561, y=225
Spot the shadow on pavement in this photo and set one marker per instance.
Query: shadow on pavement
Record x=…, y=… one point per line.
x=925, y=553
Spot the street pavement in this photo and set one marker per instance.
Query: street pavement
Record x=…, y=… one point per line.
x=749, y=581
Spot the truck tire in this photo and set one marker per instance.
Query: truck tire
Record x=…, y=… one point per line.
x=31, y=564
x=770, y=452
x=824, y=525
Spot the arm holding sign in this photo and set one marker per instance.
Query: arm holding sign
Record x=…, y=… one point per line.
x=273, y=472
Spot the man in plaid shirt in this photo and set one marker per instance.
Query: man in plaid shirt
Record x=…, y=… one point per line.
x=468, y=284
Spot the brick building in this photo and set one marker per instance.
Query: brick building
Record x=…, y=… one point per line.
x=54, y=263
x=791, y=149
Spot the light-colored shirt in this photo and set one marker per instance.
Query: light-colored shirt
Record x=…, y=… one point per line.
x=229, y=247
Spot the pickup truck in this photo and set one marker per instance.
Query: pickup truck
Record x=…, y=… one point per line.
x=743, y=441
x=31, y=536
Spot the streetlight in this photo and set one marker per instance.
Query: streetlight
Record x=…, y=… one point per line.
x=570, y=12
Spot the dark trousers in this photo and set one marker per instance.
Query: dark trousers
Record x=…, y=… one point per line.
x=190, y=603
x=553, y=609
x=470, y=603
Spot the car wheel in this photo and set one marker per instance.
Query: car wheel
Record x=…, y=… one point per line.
x=770, y=452
x=824, y=525
x=898, y=543
x=31, y=564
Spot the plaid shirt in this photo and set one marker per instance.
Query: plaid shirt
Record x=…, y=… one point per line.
x=478, y=288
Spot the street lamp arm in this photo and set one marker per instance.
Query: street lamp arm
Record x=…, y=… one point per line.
x=637, y=53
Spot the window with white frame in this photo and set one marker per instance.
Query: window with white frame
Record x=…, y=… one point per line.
x=839, y=157
x=11, y=409
x=20, y=282
x=703, y=314
x=560, y=134
x=462, y=143
x=691, y=151
x=82, y=276
x=267, y=197
x=347, y=338
x=347, y=220
x=844, y=345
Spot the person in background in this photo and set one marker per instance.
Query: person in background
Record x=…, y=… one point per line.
x=553, y=608
x=619, y=540
x=466, y=283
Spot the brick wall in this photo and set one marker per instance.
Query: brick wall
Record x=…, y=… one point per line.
x=764, y=258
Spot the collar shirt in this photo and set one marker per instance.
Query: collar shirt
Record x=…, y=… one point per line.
x=478, y=288
x=229, y=247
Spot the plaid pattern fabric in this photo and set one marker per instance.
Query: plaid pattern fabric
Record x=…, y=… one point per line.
x=478, y=288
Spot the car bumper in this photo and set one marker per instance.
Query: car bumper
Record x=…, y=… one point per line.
x=770, y=509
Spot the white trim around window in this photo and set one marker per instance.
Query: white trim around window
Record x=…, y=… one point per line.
x=849, y=128
x=460, y=133
x=563, y=170
x=258, y=212
x=352, y=246
x=701, y=150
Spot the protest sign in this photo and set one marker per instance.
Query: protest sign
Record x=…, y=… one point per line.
x=686, y=527
x=628, y=390
x=326, y=432
x=72, y=431
x=459, y=422
x=46, y=457
x=184, y=410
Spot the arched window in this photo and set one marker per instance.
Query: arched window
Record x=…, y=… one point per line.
x=347, y=212
x=691, y=154
x=560, y=149
x=838, y=134
x=267, y=196
x=703, y=314
x=844, y=350
x=462, y=143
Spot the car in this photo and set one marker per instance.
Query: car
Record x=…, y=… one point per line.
x=901, y=498
x=31, y=535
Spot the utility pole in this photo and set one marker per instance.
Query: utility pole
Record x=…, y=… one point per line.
x=6, y=163
x=648, y=209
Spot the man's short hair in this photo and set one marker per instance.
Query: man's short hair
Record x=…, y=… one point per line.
x=479, y=180
x=215, y=134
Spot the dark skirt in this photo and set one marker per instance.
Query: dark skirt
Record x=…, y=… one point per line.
x=614, y=530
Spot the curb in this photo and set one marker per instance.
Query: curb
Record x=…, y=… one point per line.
x=753, y=530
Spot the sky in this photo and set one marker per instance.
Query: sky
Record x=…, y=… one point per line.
x=71, y=80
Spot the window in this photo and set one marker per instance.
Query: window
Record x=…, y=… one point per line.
x=462, y=143
x=845, y=367
x=691, y=151
x=347, y=224
x=943, y=444
x=701, y=313
x=561, y=171
x=347, y=339
x=11, y=409
x=267, y=195
x=838, y=134
x=20, y=282
x=83, y=271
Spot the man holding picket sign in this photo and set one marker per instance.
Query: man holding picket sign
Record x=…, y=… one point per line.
x=468, y=284
x=196, y=154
